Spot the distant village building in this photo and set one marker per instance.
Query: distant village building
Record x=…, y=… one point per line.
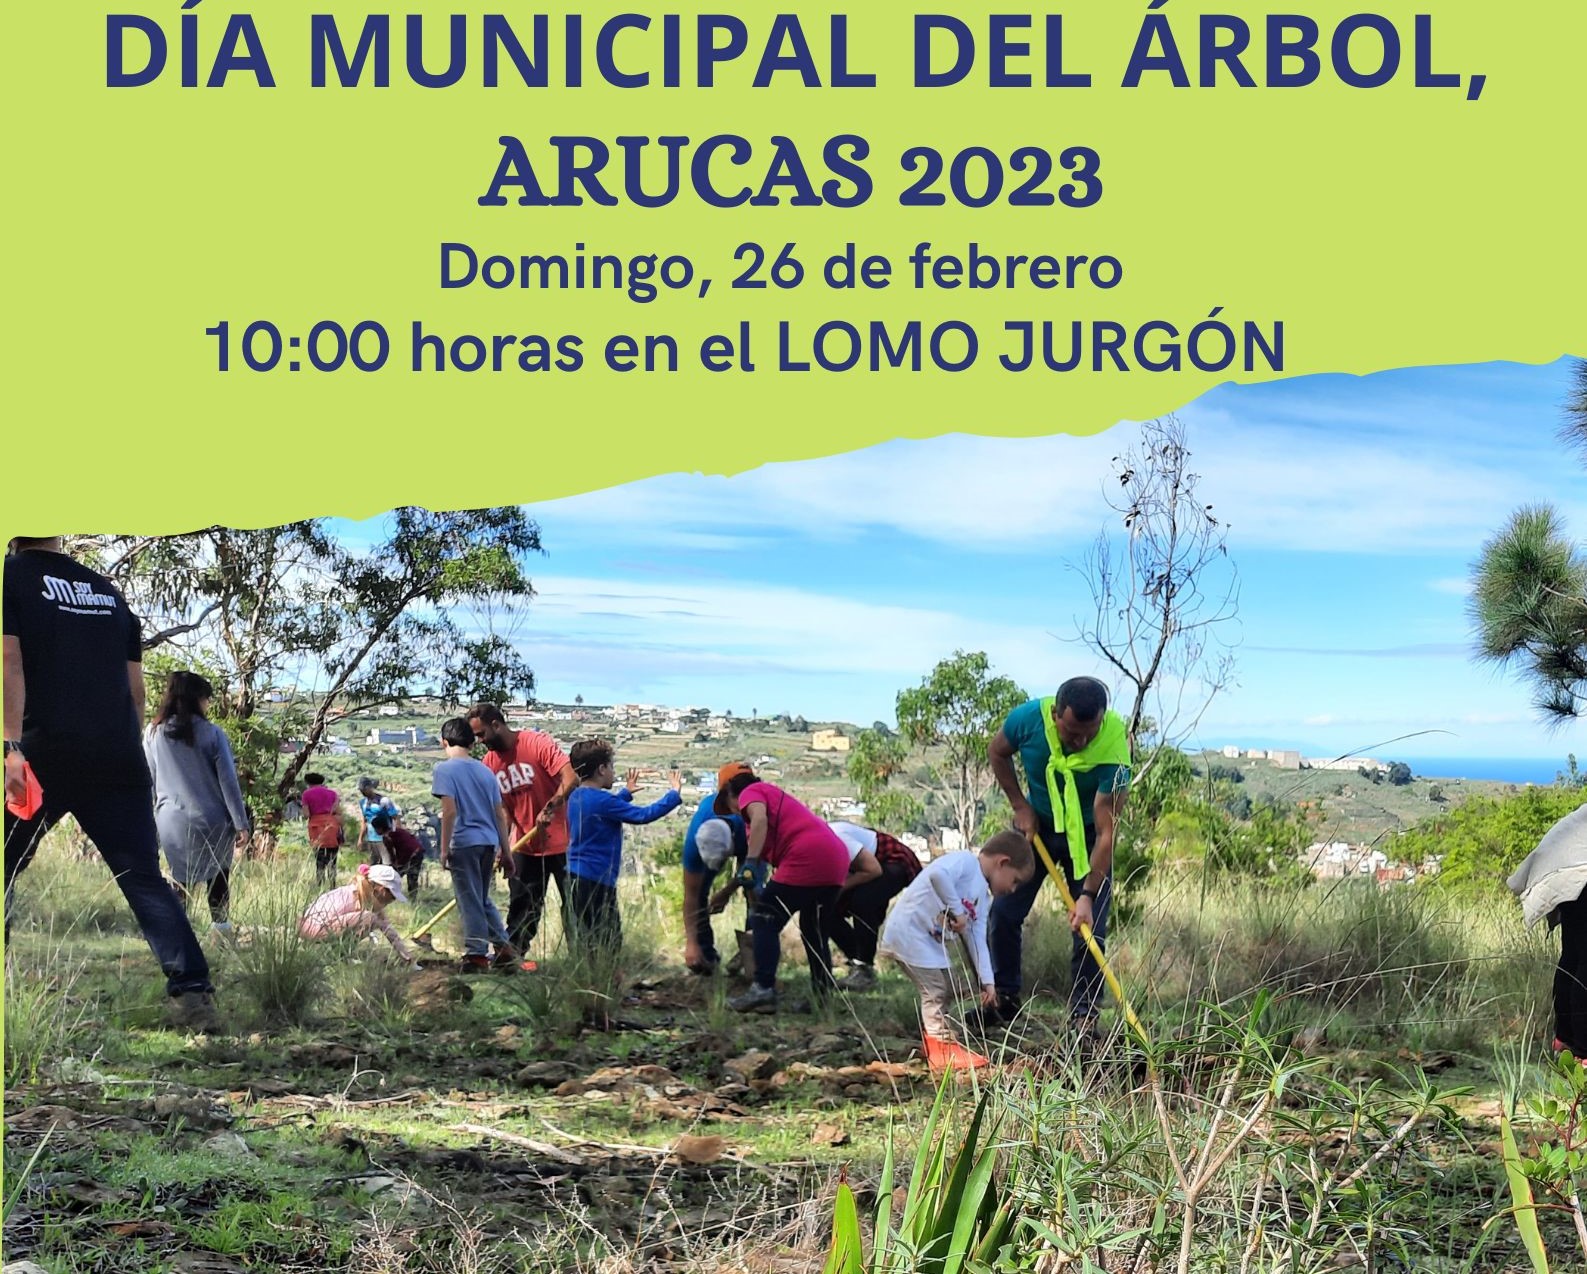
x=1284, y=758
x=388, y=710
x=1232, y=752
x=412, y=737
x=829, y=741
x=1256, y=754
x=1342, y=763
x=1335, y=860
x=843, y=807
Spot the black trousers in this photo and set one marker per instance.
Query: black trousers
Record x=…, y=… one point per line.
x=119, y=820
x=325, y=864
x=1570, y=977
x=595, y=924
x=219, y=897
x=778, y=904
x=857, y=919
x=526, y=894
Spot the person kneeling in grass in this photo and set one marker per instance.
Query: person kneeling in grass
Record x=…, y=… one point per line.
x=952, y=896
x=474, y=837
x=596, y=816
x=358, y=909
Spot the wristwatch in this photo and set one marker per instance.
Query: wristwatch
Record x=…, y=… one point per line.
x=13, y=745
x=1087, y=892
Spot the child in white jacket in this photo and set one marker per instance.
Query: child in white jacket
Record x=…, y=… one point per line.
x=951, y=898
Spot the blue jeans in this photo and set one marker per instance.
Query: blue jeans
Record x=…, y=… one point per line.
x=120, y=822
x=471, y=868
x=1005, y=928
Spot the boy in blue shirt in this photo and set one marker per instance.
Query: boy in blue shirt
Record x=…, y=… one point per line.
x=596, y=816
x=474, y=840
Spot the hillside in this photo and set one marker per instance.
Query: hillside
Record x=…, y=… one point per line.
x=1343, y=804
x=1349, y=806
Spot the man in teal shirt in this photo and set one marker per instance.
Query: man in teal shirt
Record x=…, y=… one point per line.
x=1093, y=772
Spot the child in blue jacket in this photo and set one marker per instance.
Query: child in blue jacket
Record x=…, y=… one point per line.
x=596, y=816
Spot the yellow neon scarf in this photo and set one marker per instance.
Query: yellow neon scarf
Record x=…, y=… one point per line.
x=1110, y=747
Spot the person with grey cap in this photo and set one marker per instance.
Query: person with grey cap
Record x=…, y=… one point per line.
x=709, y=844
x=1550, y=884
x=371, y=804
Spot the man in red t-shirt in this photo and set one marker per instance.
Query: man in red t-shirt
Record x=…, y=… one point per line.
x=535, y=780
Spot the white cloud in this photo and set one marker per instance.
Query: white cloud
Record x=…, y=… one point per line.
x=1284, y=471
x=704, y=626
x=1454, y=587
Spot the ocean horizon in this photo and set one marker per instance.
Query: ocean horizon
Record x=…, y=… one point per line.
x=1499, y=769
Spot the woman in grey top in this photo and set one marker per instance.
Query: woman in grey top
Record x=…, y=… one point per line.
x=198, y=804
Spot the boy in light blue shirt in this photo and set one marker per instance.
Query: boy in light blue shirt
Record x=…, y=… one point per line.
x=474, y=839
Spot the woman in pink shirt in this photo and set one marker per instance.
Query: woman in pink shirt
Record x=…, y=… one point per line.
x=808, y=864
x=359, y=907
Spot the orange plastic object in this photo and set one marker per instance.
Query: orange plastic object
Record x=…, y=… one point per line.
x=942, y=1055
x=32, y=797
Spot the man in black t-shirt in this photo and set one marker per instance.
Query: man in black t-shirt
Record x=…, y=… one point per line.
x=74, y=713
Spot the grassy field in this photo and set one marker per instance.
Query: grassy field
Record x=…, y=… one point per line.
x=1319, y=1090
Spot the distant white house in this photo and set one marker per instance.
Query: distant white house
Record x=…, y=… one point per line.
x=1284, y=759
x=412, y=737
x=843, y=807
x=1342, y=763
x=388, y=710
x=1232, y=752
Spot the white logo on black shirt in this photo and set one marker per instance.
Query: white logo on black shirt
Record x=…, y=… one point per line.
x=79, y=597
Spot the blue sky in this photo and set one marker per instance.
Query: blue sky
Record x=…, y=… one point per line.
x=1355, y=507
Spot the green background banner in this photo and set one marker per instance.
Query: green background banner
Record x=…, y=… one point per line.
x=1384, y=227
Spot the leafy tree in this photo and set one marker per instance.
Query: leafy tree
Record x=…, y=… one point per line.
x=1529, y=595
x=874, y=760
x=358, y=627
x=1484, y=840
x=1226, y=773
x=958, y=708
x=1436, y=794
x=1399, y=773
x=1164, y=590
x=799, y=726
x=1236, y=804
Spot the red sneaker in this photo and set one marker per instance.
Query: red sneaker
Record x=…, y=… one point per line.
x=530, y=966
